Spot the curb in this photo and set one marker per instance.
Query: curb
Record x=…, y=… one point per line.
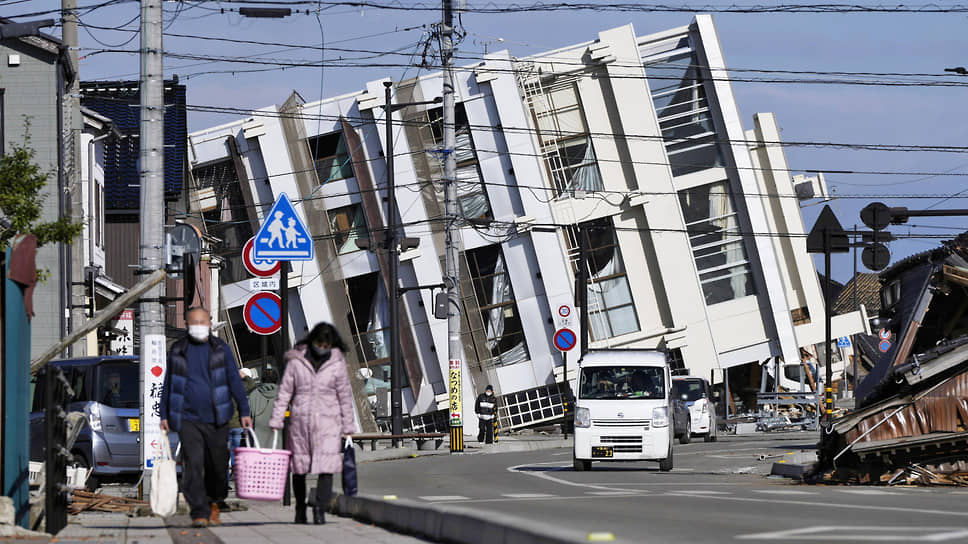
x=449, y=524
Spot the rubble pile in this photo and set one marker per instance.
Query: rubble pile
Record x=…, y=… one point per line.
x=84, y=501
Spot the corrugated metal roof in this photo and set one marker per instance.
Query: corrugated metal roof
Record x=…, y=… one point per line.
x=119, y=100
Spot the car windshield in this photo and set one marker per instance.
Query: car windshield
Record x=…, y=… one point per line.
x=622, y=382
x=688, y=390
x=117, y=385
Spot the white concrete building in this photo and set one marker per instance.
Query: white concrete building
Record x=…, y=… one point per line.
x=693, y=227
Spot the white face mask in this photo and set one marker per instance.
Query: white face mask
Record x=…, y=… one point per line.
x=198, y=332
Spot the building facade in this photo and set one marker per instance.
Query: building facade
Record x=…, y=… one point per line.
x=634, y=144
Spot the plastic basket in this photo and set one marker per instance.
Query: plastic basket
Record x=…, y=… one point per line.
x=260, y=473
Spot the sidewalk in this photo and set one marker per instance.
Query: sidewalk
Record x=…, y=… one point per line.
x=262, y=523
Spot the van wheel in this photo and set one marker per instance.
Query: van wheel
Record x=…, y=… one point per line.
x=581, y=465
x=665, y=465
x=686, y=436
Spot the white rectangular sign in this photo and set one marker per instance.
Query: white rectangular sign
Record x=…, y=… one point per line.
x=264, y=284
x=123, y=341
x=153, y=368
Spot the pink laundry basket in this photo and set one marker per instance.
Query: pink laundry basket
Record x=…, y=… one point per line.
x=260, y=474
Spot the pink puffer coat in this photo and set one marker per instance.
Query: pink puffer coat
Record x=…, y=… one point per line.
x=321, y=412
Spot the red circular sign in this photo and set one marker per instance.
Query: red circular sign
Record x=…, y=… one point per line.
x=565, y=339
x=263, y=268
x=564, y=310
x=263, y=313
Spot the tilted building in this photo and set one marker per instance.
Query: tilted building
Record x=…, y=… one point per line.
x=694, y=234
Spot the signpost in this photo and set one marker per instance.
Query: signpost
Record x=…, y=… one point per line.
x=262, y=268
x=564, y=340
x=827, y=236
x=282, y=237
x=263, y=313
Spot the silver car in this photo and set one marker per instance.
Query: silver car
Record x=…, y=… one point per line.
x=107, y=392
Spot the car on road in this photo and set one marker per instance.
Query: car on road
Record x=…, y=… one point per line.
x=107, y=392
x=624, y=410
x=697, y=399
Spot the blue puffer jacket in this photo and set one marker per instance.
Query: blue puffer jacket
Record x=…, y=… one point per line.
x=224, y=386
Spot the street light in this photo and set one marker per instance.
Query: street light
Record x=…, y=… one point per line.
x=960, y=70
x=392, y=242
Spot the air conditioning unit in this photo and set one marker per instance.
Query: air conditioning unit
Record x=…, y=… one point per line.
x=809, y=188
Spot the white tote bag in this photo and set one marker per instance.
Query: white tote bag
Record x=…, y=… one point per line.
x=164, y=481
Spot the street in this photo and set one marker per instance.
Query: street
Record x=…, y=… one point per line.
x=717, y=492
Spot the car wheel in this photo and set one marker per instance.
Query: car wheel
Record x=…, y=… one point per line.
x=665, y=465
x=713, y=433
x=686, y=436
x=581, y=465
x=81, y=461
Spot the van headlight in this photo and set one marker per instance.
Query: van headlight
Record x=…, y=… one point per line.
x=660, y=417
x=583, y=418
x=94, y=417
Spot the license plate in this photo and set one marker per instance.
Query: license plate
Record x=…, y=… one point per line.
x=602, y=451
x=134, y=425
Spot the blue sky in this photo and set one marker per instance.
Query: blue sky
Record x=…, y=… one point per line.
x=894, y=43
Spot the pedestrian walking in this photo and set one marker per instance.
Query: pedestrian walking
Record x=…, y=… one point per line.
x=197, y=402
x=261, y=401
x=486, y=409
x=317, y=385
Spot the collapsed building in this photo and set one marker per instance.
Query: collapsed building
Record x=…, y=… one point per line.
x=911, y=419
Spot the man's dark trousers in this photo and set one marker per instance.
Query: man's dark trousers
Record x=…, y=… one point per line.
x=485, y=431
x=205, y=454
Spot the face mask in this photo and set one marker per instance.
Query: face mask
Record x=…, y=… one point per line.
x=318, y=351
x=198, y=332
x=489, y=393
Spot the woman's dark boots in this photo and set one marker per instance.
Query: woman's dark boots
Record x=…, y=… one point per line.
x=319, y=515
x=299, y=493
x=324, y=493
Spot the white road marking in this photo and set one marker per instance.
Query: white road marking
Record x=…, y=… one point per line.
x=526, y=495
x=696, y=484
x=615, y=493
x=865, y=533
x=550, y=478
x=821, y=504
x=443, y=498
x=862, y=491
x=699, y=492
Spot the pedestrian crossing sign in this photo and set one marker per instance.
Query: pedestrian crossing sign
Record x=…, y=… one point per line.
x=283, y=236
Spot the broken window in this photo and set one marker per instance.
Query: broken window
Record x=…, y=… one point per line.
x=370, y=318
x=347, y=225
x=679, y=95
x=611, y=311
x=499, y=312
x=332, y=160
x=228, y=217
x=718, y=246
x=565, y=141
x=471, y=197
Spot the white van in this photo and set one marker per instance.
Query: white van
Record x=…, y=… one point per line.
x=622, y=408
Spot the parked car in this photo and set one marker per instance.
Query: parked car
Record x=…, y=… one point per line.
x=107, y=391
x=698, y=400
x=681, y=418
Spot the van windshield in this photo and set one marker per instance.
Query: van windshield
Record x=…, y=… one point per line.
x=622, y=382
x=117, y=385
x=688, y=390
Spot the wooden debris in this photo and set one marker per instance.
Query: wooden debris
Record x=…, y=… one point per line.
x=86, y=501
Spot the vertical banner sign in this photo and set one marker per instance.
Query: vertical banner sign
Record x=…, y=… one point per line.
x=456, y=420
x=123, y=343
x=154, y=380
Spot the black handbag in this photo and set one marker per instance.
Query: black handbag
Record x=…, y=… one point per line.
x=350, y=485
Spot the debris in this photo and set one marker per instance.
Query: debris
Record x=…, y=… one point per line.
x=87, y=501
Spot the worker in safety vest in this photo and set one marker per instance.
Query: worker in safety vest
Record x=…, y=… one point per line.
x=486, y=410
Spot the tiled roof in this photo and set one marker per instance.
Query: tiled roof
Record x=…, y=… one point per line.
x=119, y=100
x=868, y=293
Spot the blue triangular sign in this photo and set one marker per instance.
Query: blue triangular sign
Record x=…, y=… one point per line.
x=283, y=236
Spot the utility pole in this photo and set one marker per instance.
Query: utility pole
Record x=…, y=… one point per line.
x=451, y=240
x=152, y=131
x=72, y=155
x=393, y=255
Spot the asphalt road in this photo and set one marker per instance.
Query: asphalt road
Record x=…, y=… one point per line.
x=718, y=492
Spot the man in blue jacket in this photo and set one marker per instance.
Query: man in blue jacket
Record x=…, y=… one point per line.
x=201, y=383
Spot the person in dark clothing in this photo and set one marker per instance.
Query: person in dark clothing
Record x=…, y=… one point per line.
x=486, y=410
x=201, y=384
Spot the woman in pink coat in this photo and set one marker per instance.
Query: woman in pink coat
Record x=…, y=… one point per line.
x=318, y=385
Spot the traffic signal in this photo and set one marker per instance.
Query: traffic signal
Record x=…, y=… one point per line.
x=877, y=217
